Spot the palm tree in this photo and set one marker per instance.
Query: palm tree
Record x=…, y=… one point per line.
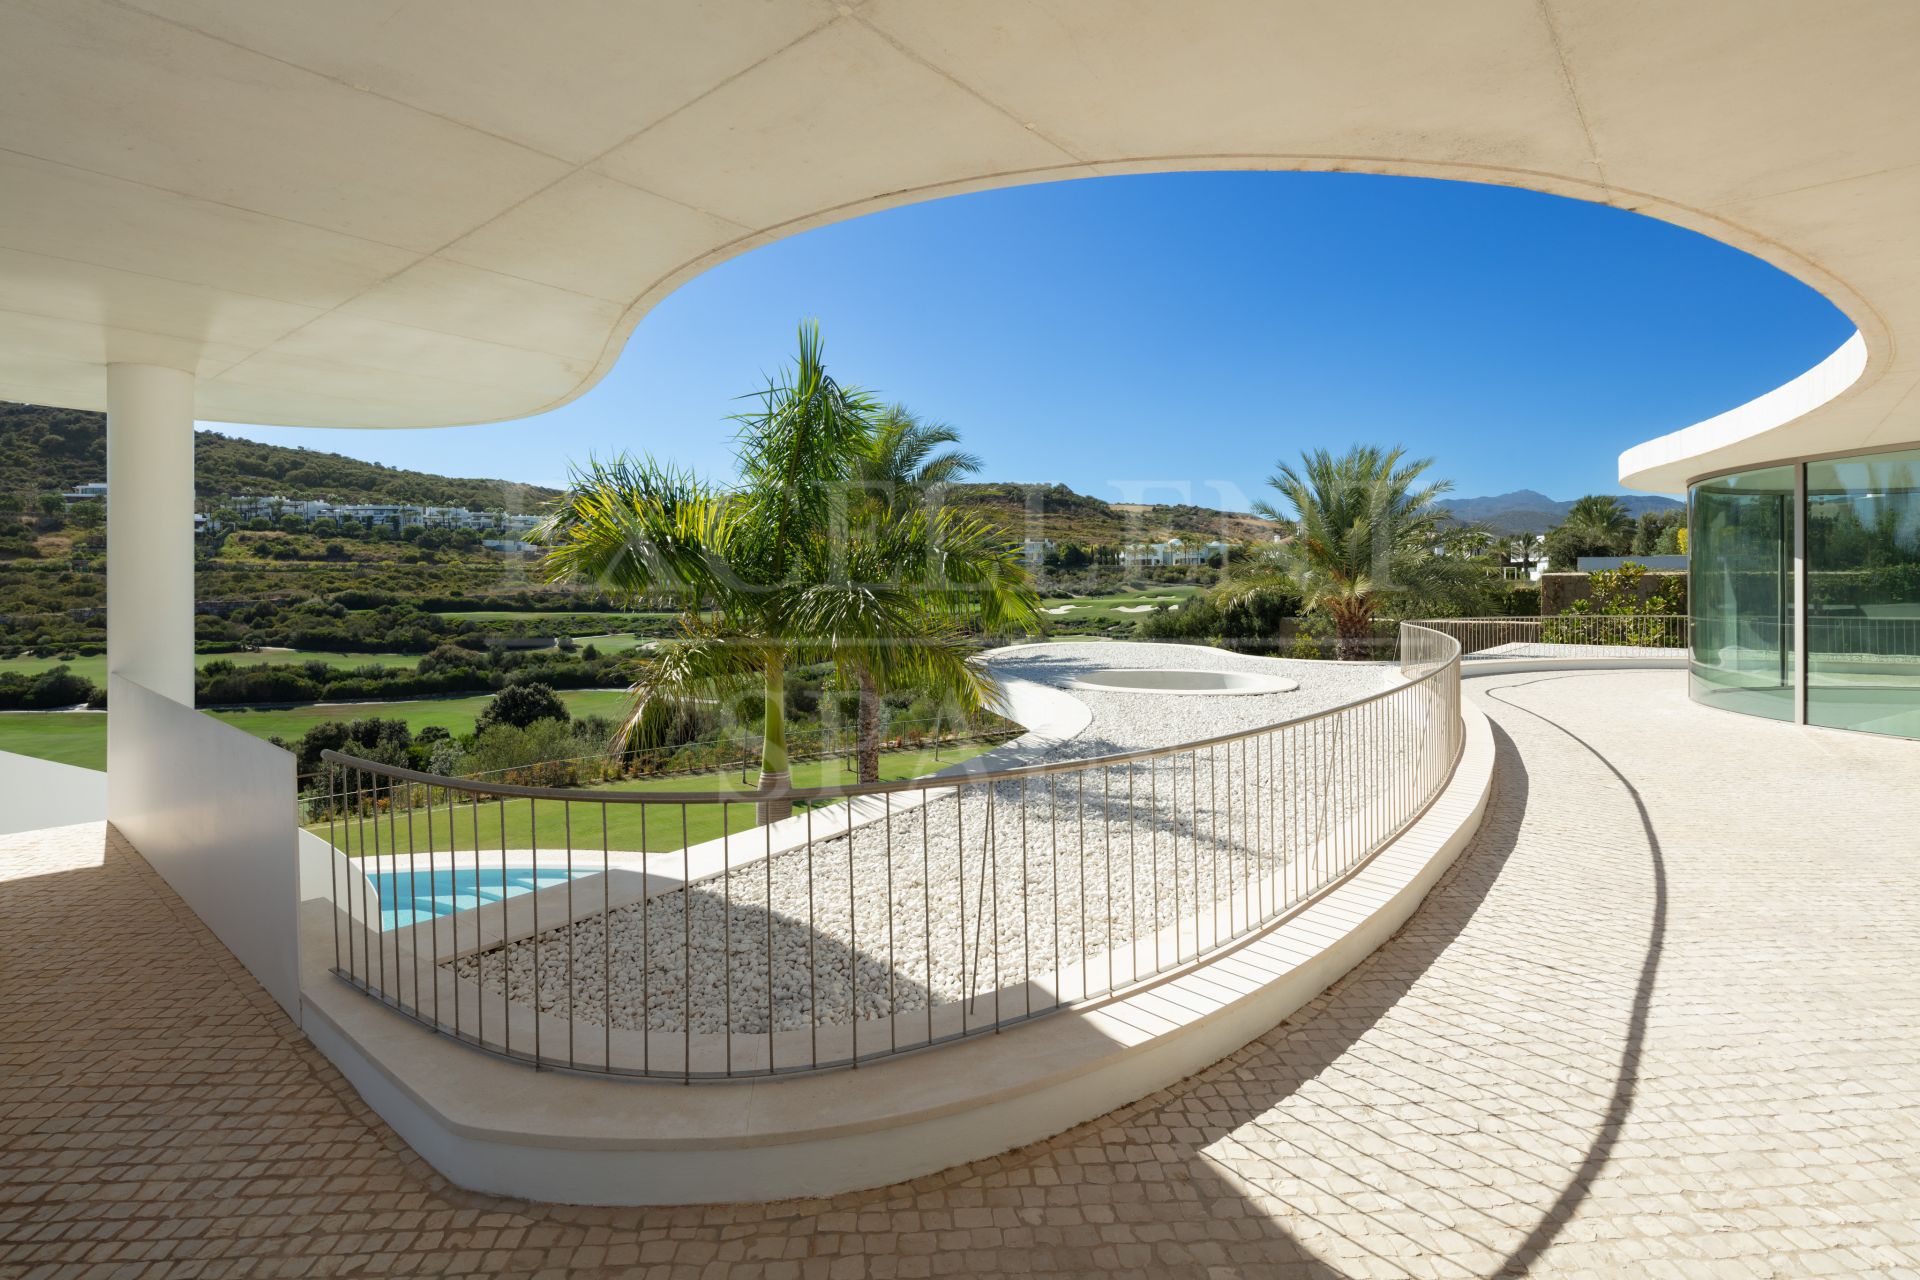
x=907, y=461
x=894, y=602
x=1468, y=541
x=1366, y=532
x=639, y=529
x=902, y=475
x=1596, y=525
x=1523, y=549
x=792, y=565
x=1599, y=511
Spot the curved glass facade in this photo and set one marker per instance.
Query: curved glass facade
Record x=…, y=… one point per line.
x=1741, y=593
x=1833, y=545
x=1863, y=593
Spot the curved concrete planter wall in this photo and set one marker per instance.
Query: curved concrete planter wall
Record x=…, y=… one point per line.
x=494, y=1126
x=1168, y=680
x=1471, y=667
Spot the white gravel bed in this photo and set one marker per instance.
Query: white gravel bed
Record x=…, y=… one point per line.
x=994, y=883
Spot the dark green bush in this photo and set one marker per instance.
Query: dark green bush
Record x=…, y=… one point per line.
x=46, y=691
x=520, y=705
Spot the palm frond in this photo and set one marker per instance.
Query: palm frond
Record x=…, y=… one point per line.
x=797, y=454
x=705, y=665
x=634, y=527
x=907, y=462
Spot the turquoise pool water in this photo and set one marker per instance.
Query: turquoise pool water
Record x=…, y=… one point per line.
x=408, y=897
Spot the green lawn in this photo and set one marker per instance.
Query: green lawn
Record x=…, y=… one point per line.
x=570, y=618
x=94, y=668
x=80, y=737
x=1173, y=594
x=456, y=715
x=629, y=827
x=68, y=737
x=1103, y=613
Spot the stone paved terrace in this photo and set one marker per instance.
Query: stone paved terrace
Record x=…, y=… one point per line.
x=1662, y=1019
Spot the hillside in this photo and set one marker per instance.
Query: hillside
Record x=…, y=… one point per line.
x=1530, y=511
x=1057, y=512
x=44, y=449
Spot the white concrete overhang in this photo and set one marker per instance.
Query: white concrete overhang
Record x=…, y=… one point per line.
x=450, y=211
x=1779, y=424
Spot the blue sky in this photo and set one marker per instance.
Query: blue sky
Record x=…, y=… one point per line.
x=1171, y=337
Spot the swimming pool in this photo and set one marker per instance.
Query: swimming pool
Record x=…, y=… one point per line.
x=408, y=897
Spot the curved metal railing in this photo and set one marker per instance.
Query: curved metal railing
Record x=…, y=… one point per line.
x=1521, y=637
x=659, y=933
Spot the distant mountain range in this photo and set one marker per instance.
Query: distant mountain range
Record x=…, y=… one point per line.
x=1529, y=511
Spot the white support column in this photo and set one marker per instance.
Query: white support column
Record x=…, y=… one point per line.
x=209, y=807
x=150, y=528
x=1800, y=665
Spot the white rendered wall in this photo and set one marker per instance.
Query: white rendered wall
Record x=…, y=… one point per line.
x=150, y=528
x=212, y=810
x=39, y=793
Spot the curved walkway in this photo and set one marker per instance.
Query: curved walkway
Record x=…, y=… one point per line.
x=1661, y=1019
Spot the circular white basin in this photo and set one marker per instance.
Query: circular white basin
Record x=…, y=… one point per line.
x=1176, y=681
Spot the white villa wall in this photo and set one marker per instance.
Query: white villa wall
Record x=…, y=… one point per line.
x=212, y=810
x=39, y=793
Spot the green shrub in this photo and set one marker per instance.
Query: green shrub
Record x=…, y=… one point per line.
x=1622, y=593
x=1312, y=638
x=521, y=705
x=46, y=691
x=1305, y=648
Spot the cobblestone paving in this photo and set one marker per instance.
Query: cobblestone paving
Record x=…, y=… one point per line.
x=1663, y=1019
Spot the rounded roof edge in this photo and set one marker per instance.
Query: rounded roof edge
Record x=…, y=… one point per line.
x=1755, y=432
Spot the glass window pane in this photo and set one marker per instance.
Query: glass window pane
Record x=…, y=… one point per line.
x=1741, y=595
x=1863, y=593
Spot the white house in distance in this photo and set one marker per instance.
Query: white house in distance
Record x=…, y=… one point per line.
x=1171, y=553
x=1034, y=551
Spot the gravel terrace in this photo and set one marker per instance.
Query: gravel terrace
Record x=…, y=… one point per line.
x=989, y=884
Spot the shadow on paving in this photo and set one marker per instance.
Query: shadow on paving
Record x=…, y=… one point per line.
x=1364, y=996
x=1360, y=1000
x=265, y=1098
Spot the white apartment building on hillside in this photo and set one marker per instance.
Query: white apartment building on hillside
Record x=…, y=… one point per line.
x=1171, y=553
x=399, y=515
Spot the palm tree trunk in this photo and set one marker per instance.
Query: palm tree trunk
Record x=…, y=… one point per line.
x=775, y=775
x=1353, y=637
x=867, y=731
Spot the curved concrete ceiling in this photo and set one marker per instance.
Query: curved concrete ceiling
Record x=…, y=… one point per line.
x=449, y=211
